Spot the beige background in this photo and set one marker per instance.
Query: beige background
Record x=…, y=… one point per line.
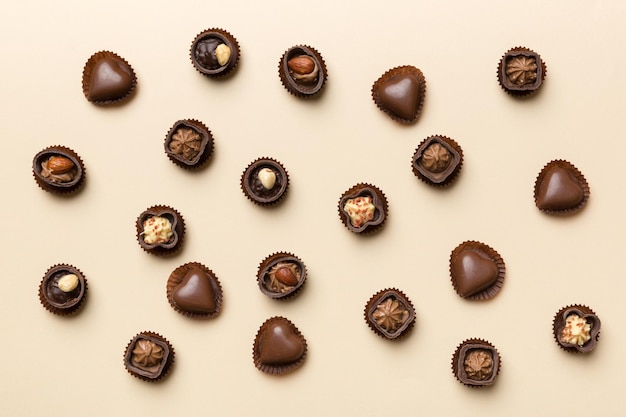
x=73, y=366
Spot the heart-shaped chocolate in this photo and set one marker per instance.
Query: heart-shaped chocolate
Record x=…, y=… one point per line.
x=195, y=293
x=400, y=93
x=279, y=346
x=477, y=271
x=560, y=187
x=107, y=78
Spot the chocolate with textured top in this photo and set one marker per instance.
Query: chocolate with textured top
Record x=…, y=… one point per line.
x=476, y=363
x=576, y=328
x=279, y=347
x=302, y=71
x=390, y=313
x=477, y=270
x=107, y=78
x=400, y=92
x=148, y=356
x=437, y=160
x=58, y=169
x=189, y=143
x=521, y=71
x=194, y=290
x=265, y=181
x=62, y=289
x=281, y=275
x=214, y=52
x=561, y=188
x=363, y=208
x=163, y=244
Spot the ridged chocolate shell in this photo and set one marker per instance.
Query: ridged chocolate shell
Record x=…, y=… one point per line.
x=178, y=228
x=378, y=200
x=558, y=324
x=60, y=188
x=162, y=370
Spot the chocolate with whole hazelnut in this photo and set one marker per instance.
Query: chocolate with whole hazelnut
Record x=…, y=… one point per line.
x=437, y=160
x=281, y=275
x=63, y=289
x=265, y=181
x=214, y=52
x=302, y=71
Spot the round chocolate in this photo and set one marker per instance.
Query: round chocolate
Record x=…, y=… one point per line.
x=390, y=314
x=278, y=347
x=302, y=71
x=363, y=208
x=163, y=240
x=148, y=356
x=476, y=270
x=561, y=189
x=521, y=71
x=476, y=363
x=214, y=52
x=63, y=289
x=194, y=291
x=400, y=93
x=189, y=143
x=576, y=328
x=108, y=78
x=265, y=181
x=281, y=275
x=437, y=160
x=59, y=170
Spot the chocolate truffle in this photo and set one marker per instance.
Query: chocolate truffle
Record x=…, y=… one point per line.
x=561, y=189
x=363, y=208
x=194, y=291
x=160, y=230
x=576, y=328
x=521, y=71
x=265, y=181
x=279, y=347
x=281, y=275
x=477, y=271
x=189, y=143
x=59, y=170
x=476, y=363
x=400, y=92
x=390, y=313
x=108, y=78
x=437, y=160
x=63, y=289
x=214, y=52
x=149, y=356
x=302, y=71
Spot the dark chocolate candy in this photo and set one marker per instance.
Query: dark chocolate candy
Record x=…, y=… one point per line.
x=477, y=270
x=265, y=181
x=363, y=208
x=279, y=347
x=437, y=160
x=151, y=237
x=59, y=170
x=148, y=356
x=390, y=313
x=400, y=92
x=194, y=290
x=189, y=143
x=561, y=188
x=476, y=363
x=107, y=78
x=63, y=289
x=214, y=52
x=302, y=71
x=574, y=337
x=521, y=71
x=281, y=275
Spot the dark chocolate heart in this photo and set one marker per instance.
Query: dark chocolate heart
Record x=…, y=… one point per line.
x=401, y=95
x=472, y=273
x=280, y=343
x=559, y=190
x=195, y=293
x=111, y=79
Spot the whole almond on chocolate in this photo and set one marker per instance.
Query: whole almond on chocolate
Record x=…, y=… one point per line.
x=59, y=165
x=301, y=64
x=286, y=276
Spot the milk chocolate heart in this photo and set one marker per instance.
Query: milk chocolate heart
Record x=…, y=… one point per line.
x=561, y=188
x=477, y=271
x=194, y=290
x=400, y=93
x=279, y=346
x=107, y=78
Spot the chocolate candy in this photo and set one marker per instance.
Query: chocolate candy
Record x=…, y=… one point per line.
x=400, y=92
x=476, y=363
x=59, y=170
x=160, y=230
x=281, y=275
x=108, y=78
x=63, y=289
x=189, y=143
x=279, y=347
x=477, y=271
x=194, y=291
x=576, y=328
x=149, y=356
x=265, y=182
x=363, y=208
x=390, y=313
x=521, y=71
x=302, y=71
x=561, y=189
x=214, y=52
x=437, y=160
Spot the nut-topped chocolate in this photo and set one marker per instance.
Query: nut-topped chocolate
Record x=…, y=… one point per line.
x=265, y=181
x=576, y=328
x=108, y=78
x=561, y=189
x=390, y=313
x=400, y=93
x=149, y=356
x=160, y=230
x=63, y=289
x=476, y=270
x=189, y=143
x=476, y=363
x=281, y=275
x=437, y=160
x=58, y=169
x=194, y=291
x=302, y=71
x=214, y=52
x=279, y=347
x=363, y=208
x=521, y=71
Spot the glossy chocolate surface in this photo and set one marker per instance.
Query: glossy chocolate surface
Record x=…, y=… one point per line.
x=189, y=143
x=521, y=71
x=589, y=316
x=178, y=230
x=258, y=192
x=194, y=290
x=148, y=356
x=561, y=188
x=204, y=54
x=476, y=363
x=437, y=160
x=400, y=93
x=477, y=270
x=390, y=314
x=107, y=78
x=57, y=300
x=378, y=201
x=302, y=71
x=279, y=346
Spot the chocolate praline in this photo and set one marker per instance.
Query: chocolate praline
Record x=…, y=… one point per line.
x=265, y=181
x=108, y=78
x=148, y=356
x=363, y=208
x=476, y=270
x=583, y=340
x=63, y=289
x=437, y=160
x=189, y=143
x=59, y=170
x=166, y=231
x=194, y=291
x=521, y=71
x=281, y=275
x=390, y=314
x=302, y=71
x=400, y=93
x=561, y=189
x=278, y=347
x=214, y=52
x=476, y=363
